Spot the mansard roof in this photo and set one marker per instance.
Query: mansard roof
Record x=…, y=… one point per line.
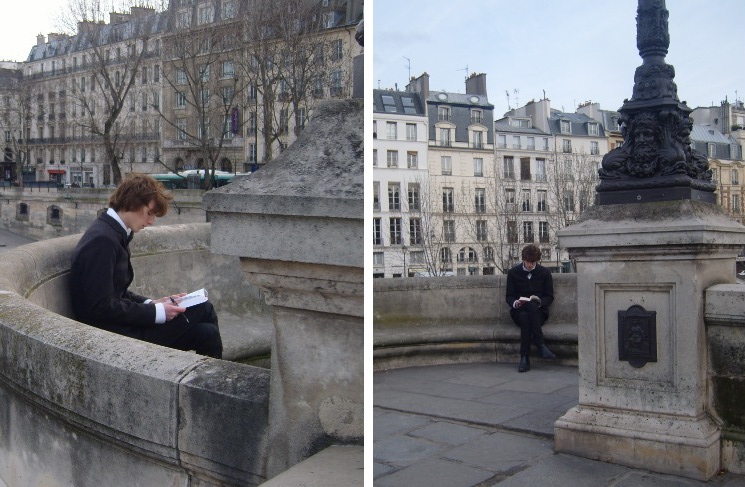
x=403, y=102
x=578, y=121
x=134, y=28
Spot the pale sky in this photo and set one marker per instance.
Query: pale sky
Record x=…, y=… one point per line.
x=575, y=50
x=25, y=19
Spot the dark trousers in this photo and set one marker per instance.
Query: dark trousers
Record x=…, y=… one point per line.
x=200, y=333
x=530, y=319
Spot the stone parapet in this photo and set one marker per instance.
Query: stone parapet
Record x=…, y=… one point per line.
x=298, y=226
x=83, y=406
x=452, y=319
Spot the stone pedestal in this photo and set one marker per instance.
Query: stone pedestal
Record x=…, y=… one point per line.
x=642, y=270
x=297, y=225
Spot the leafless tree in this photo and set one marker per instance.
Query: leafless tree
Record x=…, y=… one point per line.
x=202, y=73
x=290, y=61
x=112, y=57
x=16, y=121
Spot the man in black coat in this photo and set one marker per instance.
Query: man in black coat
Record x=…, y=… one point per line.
x=101, y=274
x=533, y=281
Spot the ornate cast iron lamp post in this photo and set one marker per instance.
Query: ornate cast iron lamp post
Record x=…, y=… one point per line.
x=656, y=161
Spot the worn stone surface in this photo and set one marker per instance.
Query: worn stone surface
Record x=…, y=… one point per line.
x=663, y=257
x=298, y=226
x=118, y=405
x=307, y=205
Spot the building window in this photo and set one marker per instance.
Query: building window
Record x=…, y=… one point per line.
x=391, y=130
x=569, y=201
x=467, y=255
x=414, y=198
x=566, y=146
x=735, y=176
x=509, y=199
x=736, y=204
x=481, y=230
x=480, y=200
x=395, y=231
x=180, y=99
x=377, y=232
x=528, y=232
x=446, y=163
x=516, y=142
x=415, y=231
x=448, y=230
x=478, y=140
x=540, y=169
x=512, y=231
x=412, y=159
x=488, y=254
x=592, y=129
x=337, y=49
x=543, y=232
x=478, y=166
x=411, y=132
x=445, y=137
x=477, y=116
x=443, y=113
x=594, y=149
x=509, y=167
x=545, y=143
x=525, y=168
x=542, y=203
x=181, y=128
x=712, y=150
x=378, y=258
x=181, y=77
x=445, y=255
x=228, y=69
x=526, y=200
x=417, y=257
x=502, y=141
x=392, y=158
x=375, y=157
x=394, y=196
x=566, y=127
x=531, y=143
x=376, y=195
x=448, y=200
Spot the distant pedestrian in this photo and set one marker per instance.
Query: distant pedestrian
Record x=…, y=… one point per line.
x=529, y=293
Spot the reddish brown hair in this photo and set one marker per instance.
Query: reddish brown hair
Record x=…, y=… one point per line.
x=531, y=253
x=138, y=190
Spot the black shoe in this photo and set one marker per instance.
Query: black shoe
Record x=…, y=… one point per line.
x=524, y=364
x=545, y=352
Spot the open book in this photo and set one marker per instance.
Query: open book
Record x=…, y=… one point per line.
x=532, y=298
x=194, y=298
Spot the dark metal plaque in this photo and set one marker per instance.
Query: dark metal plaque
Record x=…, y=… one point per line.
x=637, y=336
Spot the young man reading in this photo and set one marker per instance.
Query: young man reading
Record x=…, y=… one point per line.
x=102, y=273
x=533, y=281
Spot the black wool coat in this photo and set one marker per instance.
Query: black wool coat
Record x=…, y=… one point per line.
x=540, y=284
x=100, y=276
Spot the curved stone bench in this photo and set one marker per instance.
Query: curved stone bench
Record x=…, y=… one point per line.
x=452, y=319
x=82, y=406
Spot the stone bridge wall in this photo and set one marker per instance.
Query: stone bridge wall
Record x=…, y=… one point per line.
x=82, y=406
x=77, y=208
x=420, y=321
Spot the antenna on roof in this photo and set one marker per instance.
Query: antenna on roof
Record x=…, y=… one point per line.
x=464, y=69
x=408, y=66
x=507, y=92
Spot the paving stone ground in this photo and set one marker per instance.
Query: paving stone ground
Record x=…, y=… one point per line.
x=483, y=425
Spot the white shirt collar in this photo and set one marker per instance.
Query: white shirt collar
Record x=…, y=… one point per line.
x=113, y=214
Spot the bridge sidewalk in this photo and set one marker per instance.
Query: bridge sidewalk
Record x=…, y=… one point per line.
x=482, y=425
